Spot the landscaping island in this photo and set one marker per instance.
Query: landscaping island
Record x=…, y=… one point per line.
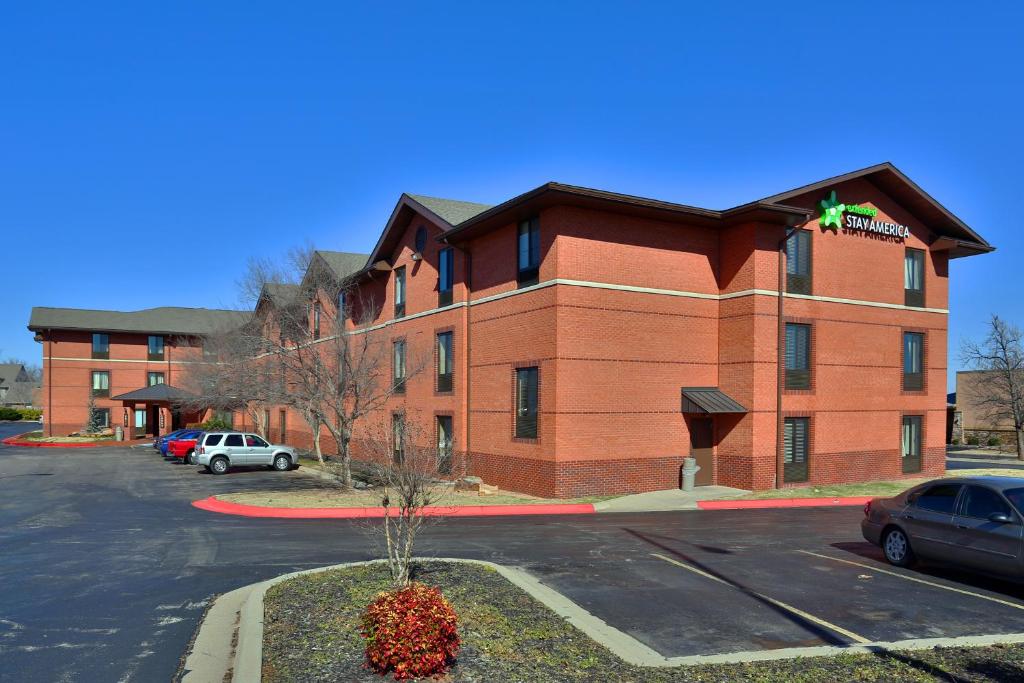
x=312, y=633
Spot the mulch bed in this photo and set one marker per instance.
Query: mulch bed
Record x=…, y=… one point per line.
x=311, y=633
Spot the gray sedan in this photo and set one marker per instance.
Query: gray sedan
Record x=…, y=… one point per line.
x=971, y=522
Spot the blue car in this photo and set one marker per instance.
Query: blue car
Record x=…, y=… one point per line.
x=158, y=442
x=180, y=434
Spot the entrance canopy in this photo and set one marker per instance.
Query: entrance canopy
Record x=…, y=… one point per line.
x=709, y=401
x=156, y=393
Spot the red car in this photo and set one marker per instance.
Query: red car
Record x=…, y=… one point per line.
x=184, y=449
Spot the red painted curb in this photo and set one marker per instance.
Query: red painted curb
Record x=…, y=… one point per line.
x=213, y=504
x=782, y=503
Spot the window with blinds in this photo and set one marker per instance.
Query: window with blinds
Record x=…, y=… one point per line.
x=444, y=361
x=528, y=252
x=399, y=292
x=100, y=383
x=911, y=445
x=796, y=449
x=526, y=403
x=913, y=361
x=398, y=366
x=445, y=276
x=913, y=277
x=798, y=262
x=398, y=438
x=798, y=356
x=444, y=444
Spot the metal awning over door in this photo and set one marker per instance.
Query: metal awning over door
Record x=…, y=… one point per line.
x=709, y=401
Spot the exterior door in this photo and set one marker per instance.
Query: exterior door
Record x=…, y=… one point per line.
x=258, y=451
x=702, y=442
x=928, y=520
x=140, y=422
x=981, y=543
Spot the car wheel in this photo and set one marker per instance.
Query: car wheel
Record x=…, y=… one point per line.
x=190, y=458
x=219, y=465
x=896, y=547
x=282, y=463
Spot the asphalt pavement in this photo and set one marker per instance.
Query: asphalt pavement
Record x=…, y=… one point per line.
x=106, y=568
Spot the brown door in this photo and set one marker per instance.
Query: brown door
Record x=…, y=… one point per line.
x=702, y=441
x=153, y=421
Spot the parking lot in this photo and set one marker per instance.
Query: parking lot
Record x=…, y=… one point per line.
x=107, y=567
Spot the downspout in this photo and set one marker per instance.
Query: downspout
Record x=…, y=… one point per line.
x=780, y=466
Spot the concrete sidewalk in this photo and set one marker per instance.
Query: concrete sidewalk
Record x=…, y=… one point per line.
x=669, y=499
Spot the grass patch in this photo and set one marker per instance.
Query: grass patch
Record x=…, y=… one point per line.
x=38, y=436
x=332, y=497
x=311, y=633
x=881, y=489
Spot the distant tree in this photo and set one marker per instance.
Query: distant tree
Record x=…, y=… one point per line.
x=1000, y=393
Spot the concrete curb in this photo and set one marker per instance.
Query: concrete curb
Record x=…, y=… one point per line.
x=750, y=504
x=214, y=504
x=229, y=643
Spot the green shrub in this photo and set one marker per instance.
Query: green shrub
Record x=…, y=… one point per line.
x=973, y=440
x=30, y=414
x=9, y=413
x=216, y=424
x=994, y=441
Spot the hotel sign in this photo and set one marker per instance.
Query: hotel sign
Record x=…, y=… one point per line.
x=836, y=215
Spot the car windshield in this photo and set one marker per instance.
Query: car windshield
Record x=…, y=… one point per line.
x=1015, y=496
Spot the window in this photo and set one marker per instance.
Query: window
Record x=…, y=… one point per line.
x=910, y=446
x=796, y=447
x=913, y=354
x=444, y=444
x=529, y=252
x=100, y=345
x=342, y=306
x=913, y=277
x=316, y=320
x=153, y=378
x=798, y=356
x=254, y=441
x=209, y=353
x=1016, y=496
x=798, y=262
x=400, y=292
x=526, y=403
x=234, y=440
x=225, y=416
x=283, y=418
x=397, y=438
x=940, y=498
x=445, y=276
x=213, y=439
x=444, y=361
x=156, y=347
x=140, y=418
x=981, y=503
x=398, y=366
x=104, y=417
x=100, y=383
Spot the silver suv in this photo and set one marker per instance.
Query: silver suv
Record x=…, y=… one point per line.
x=221, y=451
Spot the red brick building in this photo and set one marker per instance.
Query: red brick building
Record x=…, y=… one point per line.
x=594, y=340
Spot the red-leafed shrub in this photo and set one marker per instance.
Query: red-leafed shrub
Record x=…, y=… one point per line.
x=412, y=632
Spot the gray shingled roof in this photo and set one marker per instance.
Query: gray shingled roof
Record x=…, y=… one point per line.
x=156, y=392
x=11, y=373
x=165, y=319
x=343, y=263
x=280, y=293
x=451, y=210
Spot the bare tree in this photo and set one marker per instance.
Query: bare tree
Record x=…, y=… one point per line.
x=411, y=474
x=1001, y=393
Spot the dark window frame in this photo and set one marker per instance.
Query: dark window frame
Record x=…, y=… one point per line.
x=528, y=273
x=397, y=438
x=913, y=381
x=914, y=297
x=527, y=417
x=99, y=393
x=400, y=292
x=151, y=374
x=445, y=380
x=316, y=319
x=916, y=502
x=104, y=353
x=445, y=276
x=106, y=412
x=398, y=362
x=795, y=470
x=800, y=262
x=152, y=355
x=910, y=460
x=444, y=448
x=798, y=378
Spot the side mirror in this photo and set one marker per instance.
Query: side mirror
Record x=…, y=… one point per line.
x=1000, y=518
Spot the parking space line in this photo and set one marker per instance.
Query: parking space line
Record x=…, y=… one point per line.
x=914, y=579
x=778, y=603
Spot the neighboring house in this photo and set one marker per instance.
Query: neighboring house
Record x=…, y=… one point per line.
x=586, y=342
x=17, y=388
x=970, y=417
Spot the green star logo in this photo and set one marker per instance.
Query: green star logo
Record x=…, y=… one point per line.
x=832, y=212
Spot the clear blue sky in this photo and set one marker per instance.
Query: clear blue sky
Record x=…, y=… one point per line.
x=147, y=149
